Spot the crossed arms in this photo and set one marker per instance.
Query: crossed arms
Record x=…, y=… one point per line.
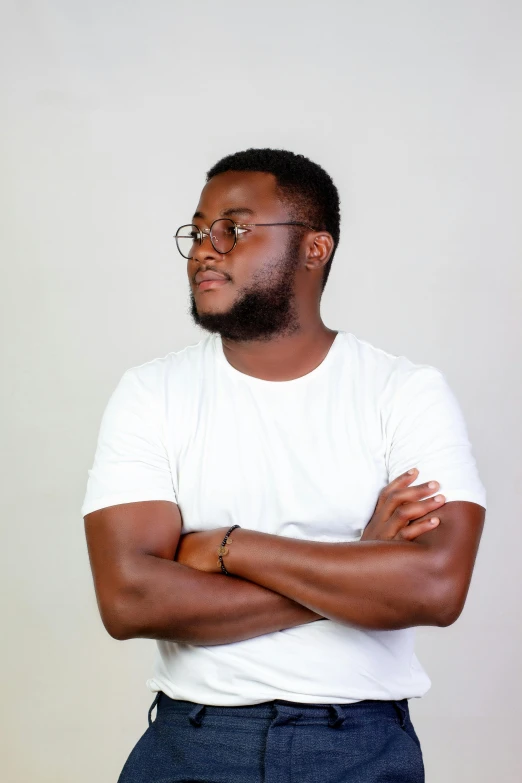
x=278, y=582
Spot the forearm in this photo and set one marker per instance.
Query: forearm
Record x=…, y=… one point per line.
x=380, y=585
x=169, y=601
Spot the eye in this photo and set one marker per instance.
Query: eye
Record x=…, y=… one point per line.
x=242, y=231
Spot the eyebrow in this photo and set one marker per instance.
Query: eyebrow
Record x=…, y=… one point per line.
x=228, y=212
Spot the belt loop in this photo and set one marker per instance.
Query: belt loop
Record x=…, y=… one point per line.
x=196, y=716
x=282, y=717
x=336, y=718
x=401, y=711
x=156, y=700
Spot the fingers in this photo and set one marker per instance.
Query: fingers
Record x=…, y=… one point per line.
x=407, y=512
x=400, y=483
x=398, y=491
x=411, y=532
x=399, y=504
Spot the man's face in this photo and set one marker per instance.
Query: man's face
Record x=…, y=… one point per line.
x=257, y=301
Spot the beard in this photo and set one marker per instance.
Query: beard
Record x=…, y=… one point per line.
x=263, y=310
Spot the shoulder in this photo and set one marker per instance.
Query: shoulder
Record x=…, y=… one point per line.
x=175, y=367
x=154, y=389
x=388, y=373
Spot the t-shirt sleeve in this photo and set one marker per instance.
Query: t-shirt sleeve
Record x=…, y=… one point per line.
x=131, y=462
x=425, y=429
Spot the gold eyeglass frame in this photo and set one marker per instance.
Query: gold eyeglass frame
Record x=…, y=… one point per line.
x=202, y=232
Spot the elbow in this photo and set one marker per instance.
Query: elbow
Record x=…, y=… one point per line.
x=447, y=619
x=116, y=623
x=117, y=629
x=445, y=590
x=120, y=614
x=448, y=612
x=448, y=603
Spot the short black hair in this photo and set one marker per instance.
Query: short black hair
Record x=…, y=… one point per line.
x=306, y=186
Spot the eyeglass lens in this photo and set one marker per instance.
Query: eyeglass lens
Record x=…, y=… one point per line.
x=222, y=236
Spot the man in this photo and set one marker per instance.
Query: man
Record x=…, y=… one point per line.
x=264, y=504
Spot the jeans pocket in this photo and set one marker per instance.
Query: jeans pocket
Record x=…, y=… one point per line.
x=404, y=721
x=403, y=717
x=409, y=729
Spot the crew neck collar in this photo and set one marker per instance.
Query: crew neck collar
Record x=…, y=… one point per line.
x=261, y=382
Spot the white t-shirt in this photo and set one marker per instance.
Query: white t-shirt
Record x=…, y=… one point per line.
x=304, y=458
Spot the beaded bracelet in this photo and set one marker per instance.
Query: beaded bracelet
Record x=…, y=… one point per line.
x=222, y=550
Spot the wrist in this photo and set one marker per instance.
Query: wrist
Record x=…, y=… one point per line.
x=235, y=545
x=246, y=546
x=223, y=550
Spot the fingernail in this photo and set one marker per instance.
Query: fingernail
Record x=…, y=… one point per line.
x=439, y=498
x=432, y=484
x=412, y=471
x=434, y=521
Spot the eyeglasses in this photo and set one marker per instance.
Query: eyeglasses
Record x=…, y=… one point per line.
x=223, y=234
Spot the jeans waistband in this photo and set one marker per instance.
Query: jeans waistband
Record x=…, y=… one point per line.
x=335, y=714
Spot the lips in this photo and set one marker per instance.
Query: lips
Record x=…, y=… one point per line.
x=203, y=277
x=210, y=279
x=212, y=284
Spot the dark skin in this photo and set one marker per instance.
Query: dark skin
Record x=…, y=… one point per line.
x=142, y=592
x=304, y=340
x=370, y=584
x=152, y=582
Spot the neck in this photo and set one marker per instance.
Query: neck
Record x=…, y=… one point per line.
x=284, y=357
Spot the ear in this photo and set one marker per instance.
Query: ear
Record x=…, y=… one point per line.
x=319, y=248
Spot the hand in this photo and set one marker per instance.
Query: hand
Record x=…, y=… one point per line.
x=199, y=550
x=397, y=505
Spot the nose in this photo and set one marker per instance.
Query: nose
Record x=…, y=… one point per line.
x=205, y=251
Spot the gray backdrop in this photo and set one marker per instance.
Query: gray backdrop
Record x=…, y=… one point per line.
x=113, y=112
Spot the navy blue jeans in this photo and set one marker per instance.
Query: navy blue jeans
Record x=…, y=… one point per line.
x=277, y=742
